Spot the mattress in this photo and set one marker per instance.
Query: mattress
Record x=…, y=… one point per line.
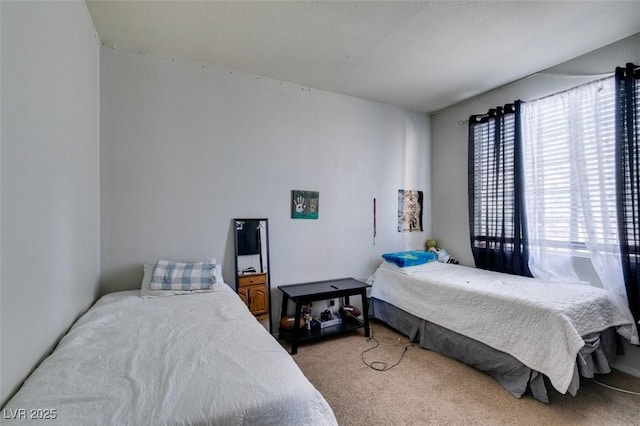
x=190, y=359
x=540, y=324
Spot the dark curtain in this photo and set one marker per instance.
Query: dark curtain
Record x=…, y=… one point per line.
x=628, y=180
x=496, y=205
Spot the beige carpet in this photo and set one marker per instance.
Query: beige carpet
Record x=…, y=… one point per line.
x=428, y=388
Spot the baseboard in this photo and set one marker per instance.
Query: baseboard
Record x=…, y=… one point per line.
x=626, y=369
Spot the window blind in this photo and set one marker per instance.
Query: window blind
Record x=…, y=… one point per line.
x=498, y=239
x=494, y=194
x=569, y=150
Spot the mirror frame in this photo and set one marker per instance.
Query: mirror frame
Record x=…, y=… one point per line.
x=263, y=244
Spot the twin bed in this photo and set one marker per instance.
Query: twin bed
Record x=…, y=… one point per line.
x=517, y=329
x=196, y=358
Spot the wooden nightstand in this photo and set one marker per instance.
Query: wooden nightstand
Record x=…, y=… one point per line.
x=253, y=290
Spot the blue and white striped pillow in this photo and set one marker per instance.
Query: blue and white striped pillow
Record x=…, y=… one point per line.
x=168, y=275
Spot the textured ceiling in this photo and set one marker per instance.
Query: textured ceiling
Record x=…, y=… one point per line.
x=419, y=55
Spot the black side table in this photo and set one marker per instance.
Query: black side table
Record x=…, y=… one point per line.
x=302, y=294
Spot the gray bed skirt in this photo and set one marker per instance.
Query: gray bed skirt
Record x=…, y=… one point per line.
x=514, y=376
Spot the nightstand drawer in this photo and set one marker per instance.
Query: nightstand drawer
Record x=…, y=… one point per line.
x=252, y=279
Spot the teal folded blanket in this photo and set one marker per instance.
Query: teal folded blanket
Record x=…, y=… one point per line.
x=410, y=258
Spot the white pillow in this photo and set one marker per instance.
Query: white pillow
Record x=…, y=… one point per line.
x=147, y=292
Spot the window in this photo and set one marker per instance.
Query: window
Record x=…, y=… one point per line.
x=498, y=239
x=569, y=159
x=493, y=181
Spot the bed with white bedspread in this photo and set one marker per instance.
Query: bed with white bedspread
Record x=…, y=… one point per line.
x=539, y=324
x=188, y=359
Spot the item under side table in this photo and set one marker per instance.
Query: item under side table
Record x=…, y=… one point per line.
x=302, y=294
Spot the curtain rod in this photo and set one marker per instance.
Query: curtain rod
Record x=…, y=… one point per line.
x=507, y=85
x=607, y=76
x=602, y=77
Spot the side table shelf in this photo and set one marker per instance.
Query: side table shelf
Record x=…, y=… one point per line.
x=302, y=294
x=306, y=335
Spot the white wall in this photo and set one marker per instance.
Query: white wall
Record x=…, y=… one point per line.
x=449, y=148
x=185, y=148
x=49, y=178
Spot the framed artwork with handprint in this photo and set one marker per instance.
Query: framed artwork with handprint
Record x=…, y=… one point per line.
x=304, y=204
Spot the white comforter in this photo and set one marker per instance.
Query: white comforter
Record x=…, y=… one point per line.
x=537, y=322
x=193, y=359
